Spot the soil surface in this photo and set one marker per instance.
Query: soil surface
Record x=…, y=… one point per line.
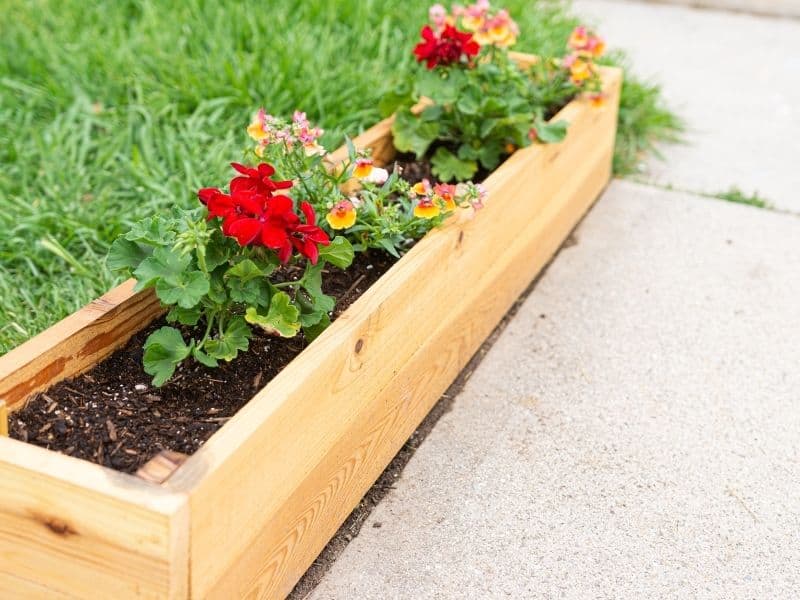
x=113, y=416
x=414, y=171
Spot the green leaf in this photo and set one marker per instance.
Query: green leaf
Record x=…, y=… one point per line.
x=186, y=290
x=444, y=87
x=312, y=332
x=432, y=113
x=247, y=283
x=469, y=102
x=282, y=318
x=389, y=246
x=236, y=337
x=487, y=126
x=217, y=250
x=163, y=264
x=489, y=154
x=467, y=152
x=551, y=133
x=394, y=99
x=312, y=283
x=164, y=350
x=185, y=316
x=204, y=358
x=154, y=231
x=125, y=254
x=412, y=134
x=339, y=252
x=245, y=270
x=430, y=82
x=447, y=166
x=218, y=292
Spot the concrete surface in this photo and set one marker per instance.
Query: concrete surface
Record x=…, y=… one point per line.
x=776, y=8
x=735, y=78
x=634, y=433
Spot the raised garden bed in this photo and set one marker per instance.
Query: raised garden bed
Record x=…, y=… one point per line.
x=247, y=514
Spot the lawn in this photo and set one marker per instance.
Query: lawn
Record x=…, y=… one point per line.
x=109, y=110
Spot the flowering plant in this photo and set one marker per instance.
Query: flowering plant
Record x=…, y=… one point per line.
x=470, y=105
x=362, y=201
x=480, y=106
x=228, y=265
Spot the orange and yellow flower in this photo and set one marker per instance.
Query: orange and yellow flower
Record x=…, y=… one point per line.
x=585, y=43
x=426, y=208
x=579, y=69
x=258, y=129
x=342, y=215
x=497, y=29
x=447, y=194
x=578, y=38
x=363, y=167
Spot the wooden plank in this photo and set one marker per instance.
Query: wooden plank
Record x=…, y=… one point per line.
x=24, y=589
x=82, y=530
x=161, y=467
x=273, y=463
x=3, y=418
x=76, y=343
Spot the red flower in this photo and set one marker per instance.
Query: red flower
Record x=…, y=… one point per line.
x=254, y=216
x=306, y=237
x=257, y=180
x=445, y=48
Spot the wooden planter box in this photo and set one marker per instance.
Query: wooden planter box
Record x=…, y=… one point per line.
x=249, y=512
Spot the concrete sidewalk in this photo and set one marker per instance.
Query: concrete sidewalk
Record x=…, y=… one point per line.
x=735, y=78
x=633, y=432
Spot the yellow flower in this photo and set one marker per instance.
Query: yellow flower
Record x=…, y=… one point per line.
x=502, y=36
x=580, y=70
x=363, y=167
x=578, y=38
x=426, y=208
x=421, y=188
x=313, y=149
x=471, y=23
x=342, y=215
x=446, y=193
x=258, y=128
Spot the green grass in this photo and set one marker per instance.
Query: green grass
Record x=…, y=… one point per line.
x=737, y=196
x=112, y=110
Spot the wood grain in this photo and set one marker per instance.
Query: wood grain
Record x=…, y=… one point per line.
x=76, y=343
x=161, y=467
x=3, y=418
x=82, y=530
x=363, y=386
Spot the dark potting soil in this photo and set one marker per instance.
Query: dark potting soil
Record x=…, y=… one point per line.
x=415, y=170
x=113, y=416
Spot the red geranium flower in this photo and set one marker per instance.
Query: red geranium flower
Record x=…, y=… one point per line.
x=254, y=216
x=445, y=48
x=257, y=180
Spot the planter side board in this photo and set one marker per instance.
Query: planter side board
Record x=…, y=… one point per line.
x=361, y=389
x=76, y=343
